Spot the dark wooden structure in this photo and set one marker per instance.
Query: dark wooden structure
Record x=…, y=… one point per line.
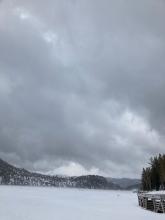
x=153, y=202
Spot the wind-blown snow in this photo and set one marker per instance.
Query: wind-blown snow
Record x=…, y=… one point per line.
x=39, y=203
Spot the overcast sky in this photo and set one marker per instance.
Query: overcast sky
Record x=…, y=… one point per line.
x=82, y=85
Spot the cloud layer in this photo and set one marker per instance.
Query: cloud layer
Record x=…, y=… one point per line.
x=82, y=85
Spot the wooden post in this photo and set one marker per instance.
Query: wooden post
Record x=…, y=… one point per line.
x=154, y=204
x=163, y=205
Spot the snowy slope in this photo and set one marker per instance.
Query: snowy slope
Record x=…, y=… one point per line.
x=39, y=203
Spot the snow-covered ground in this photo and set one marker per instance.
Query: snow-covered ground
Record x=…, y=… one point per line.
x=157, y=192
x=32, y=203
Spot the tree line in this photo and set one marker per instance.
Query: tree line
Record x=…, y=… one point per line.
x=153, y=177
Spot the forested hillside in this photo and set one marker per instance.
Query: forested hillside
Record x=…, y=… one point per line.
x=10, y=175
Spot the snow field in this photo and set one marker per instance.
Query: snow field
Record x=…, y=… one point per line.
x=39, y=203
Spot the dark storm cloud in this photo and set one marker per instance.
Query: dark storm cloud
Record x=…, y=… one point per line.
x=82, y=84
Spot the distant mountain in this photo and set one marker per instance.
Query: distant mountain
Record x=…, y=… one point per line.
x=135, y=186
x=10, y=175
x=126, y=183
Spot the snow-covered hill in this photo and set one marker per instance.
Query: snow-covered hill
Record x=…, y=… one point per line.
x=10, y=175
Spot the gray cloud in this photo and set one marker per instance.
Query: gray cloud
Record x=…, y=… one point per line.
x=82, y=84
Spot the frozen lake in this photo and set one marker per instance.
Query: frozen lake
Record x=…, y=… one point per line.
x=38, y=203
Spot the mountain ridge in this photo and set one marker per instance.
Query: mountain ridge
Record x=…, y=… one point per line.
x=11, y=175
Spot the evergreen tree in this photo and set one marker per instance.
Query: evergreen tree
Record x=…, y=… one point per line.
x=153, y=177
